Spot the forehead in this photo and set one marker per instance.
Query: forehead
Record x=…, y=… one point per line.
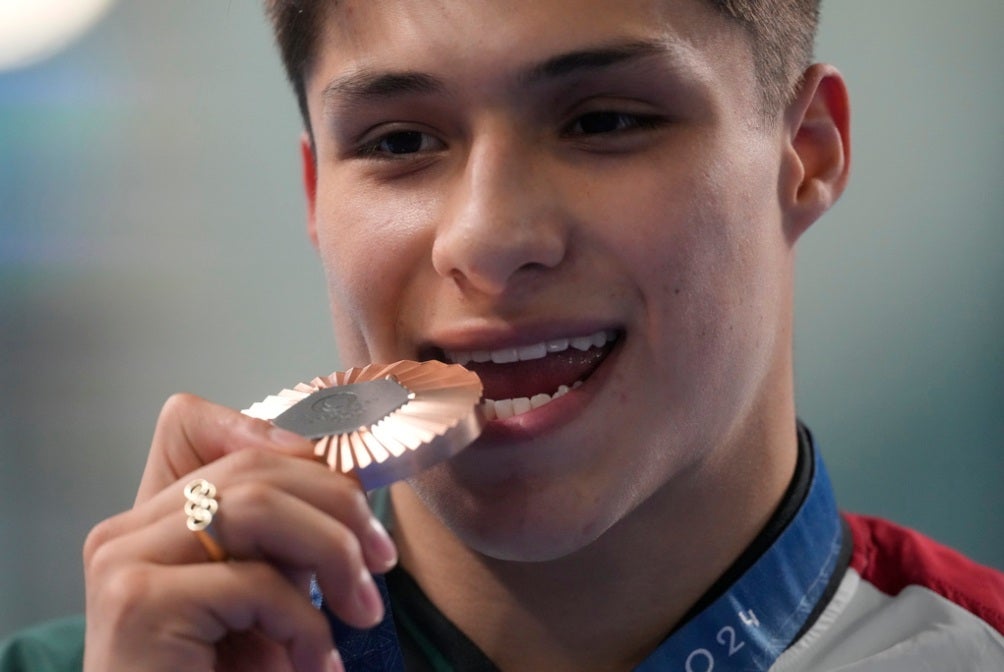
x=481, y=42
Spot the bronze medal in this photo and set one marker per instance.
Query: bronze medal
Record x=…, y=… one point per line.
x=383, y=422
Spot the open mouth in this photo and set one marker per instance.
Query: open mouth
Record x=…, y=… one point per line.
x=520, y=379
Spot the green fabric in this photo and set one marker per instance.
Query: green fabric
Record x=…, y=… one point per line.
x=381, y=507
x=435, y=659
x=56, y=646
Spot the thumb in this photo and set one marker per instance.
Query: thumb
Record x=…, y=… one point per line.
x=192, y=432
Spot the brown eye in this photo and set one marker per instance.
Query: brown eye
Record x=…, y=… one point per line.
x=404, y=142
x=605, y=121
x=601, y=122
x=400, y=144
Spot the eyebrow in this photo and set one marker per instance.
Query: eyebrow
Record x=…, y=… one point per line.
x=366, y=84
x=598, y=58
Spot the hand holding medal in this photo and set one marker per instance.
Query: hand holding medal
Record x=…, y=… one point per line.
x=231, y=521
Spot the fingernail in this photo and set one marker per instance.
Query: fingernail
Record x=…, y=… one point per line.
x=335, y=662
x=369, y=600
x=380, y=548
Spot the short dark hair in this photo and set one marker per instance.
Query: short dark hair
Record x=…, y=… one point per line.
x=782, y=34
x=296, y=25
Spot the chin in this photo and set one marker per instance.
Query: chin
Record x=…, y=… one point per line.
x=518, y=522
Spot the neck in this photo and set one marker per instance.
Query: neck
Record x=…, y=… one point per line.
x=608, y=605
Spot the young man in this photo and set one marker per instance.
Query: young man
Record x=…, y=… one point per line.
x=578, y=191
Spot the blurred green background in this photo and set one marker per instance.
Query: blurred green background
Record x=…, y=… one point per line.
x=152, y=241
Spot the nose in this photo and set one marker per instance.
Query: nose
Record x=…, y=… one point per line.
x=502, y=221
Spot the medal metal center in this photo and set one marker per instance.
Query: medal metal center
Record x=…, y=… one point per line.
x=344, y=408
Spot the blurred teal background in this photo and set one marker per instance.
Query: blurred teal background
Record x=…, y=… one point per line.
x=151, y=241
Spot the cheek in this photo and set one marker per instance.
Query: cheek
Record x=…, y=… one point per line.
x=704, y=249
x=372, y=248
x=730, y=301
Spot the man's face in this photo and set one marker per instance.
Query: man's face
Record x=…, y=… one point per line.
x=505, y=180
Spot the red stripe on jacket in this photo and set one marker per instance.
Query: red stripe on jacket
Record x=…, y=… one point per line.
x=892, y=557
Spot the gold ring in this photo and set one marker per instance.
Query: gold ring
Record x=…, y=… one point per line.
x=201, y=505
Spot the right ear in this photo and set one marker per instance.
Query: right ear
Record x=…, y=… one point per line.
x=309, y=169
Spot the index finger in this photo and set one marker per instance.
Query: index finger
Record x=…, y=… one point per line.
x=192, y=432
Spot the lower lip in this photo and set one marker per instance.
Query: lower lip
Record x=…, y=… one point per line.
x=552, y=415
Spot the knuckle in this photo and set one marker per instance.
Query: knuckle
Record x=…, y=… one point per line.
x=256, y=498
x=128, y=589
x=176, y=406
x=343, y=562
x=251, y=460
x=177, y=409
x=352, y=504
x=96, y=538
x=349, y=546
x=101, y=535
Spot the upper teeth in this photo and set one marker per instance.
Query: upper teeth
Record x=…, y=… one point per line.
x=534, y=351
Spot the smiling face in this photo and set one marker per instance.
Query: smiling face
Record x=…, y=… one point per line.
x=577, y=199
